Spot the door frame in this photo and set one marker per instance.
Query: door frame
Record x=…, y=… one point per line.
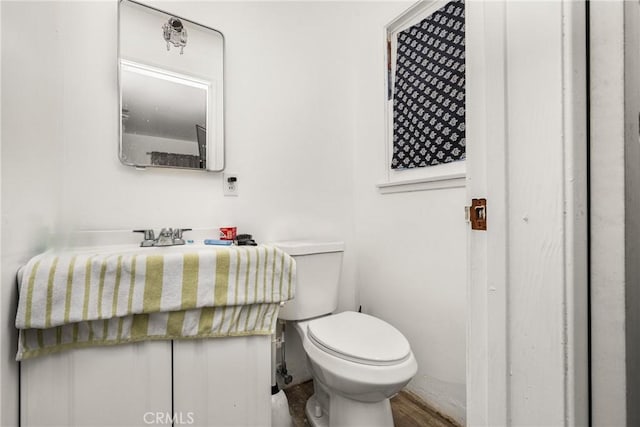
x=615, y=226
x=527, y=334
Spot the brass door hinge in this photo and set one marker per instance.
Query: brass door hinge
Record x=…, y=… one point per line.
x=476, y=214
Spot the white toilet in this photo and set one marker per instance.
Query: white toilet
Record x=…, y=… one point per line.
x=357, y=361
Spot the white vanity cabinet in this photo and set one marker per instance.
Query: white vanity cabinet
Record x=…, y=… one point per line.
x=205, y=382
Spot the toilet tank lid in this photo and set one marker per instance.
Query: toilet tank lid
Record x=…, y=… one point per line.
x=308, y=247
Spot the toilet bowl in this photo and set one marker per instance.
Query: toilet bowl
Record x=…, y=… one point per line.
x=357, y=361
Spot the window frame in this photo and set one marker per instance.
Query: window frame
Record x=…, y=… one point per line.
x=448, y=175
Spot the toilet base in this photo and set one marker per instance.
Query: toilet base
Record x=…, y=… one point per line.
x=345, y=412
x=310, y=411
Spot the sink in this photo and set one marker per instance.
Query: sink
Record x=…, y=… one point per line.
x=160, y=292
x=129, y=249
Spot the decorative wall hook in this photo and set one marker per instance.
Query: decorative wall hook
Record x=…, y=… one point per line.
x=175, y=34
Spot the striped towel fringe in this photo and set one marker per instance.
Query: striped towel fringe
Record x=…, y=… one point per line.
x=72, y=300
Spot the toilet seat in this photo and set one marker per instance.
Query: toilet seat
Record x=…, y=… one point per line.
x=353, y=377
x=359, y=338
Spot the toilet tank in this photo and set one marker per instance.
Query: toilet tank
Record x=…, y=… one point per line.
x=318, y=265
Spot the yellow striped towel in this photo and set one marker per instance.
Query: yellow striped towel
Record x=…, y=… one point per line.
x=70, y=300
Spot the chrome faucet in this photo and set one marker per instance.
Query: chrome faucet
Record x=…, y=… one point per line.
x=167, y=237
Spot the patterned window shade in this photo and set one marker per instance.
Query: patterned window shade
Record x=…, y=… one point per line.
x=429, y=91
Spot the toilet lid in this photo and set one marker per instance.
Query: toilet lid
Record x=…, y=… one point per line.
x=359, y=338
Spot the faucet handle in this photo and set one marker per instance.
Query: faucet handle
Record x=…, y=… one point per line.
x=148, y=234
x=149, y=237
x=177, y=232
x=177, y=235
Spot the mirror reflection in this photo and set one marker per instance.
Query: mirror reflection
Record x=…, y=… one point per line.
x=171, y=83
x=164, y=118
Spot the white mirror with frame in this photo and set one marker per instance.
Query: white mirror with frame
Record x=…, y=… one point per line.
x=171, y=90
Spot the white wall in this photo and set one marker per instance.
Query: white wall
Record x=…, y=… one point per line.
x=32, y=160
x=289, y=131
x=411, y=247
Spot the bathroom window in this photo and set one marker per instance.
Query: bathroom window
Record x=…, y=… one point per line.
x=426, y=98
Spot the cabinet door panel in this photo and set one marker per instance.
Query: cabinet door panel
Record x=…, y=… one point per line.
x=223, y=381
x=125, y=385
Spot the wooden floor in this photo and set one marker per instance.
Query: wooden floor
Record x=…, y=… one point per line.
x=408, y=410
